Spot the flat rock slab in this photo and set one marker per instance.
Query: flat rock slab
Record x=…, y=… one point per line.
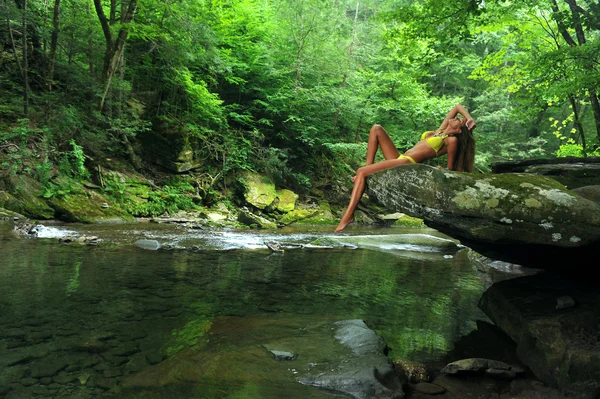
x=560, y=346
x=515, y=217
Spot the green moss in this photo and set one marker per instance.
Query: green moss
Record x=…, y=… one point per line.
x=259, y=191
x=297, y=215
x=409, y=221
x=287, y=200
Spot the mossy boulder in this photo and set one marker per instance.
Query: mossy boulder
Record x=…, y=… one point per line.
x=87, y=207
x=9, y=215
x=250, y=219
x=23, y=194
x=322, y=216
x=258, y=191
x=287, y=200
x=520, y=218
x=297, y=215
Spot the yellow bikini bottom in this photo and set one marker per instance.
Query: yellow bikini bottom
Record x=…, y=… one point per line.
x=407, y=157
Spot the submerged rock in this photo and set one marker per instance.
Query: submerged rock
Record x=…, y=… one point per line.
x=560, y=346
x=343, y=358
x=485, y=366
x=525, y=219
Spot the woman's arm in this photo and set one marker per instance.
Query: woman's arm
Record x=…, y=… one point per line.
x=458, y=109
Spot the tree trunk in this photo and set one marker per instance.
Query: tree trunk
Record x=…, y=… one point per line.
x=53, y=43
x=25, y=63
x=114, y=48
x=577, y=122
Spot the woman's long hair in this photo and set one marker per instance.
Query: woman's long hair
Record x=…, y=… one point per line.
x=465, y=158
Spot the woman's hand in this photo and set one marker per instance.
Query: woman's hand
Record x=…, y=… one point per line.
x=470, y=124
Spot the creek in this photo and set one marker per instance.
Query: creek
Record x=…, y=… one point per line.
x=79, y=320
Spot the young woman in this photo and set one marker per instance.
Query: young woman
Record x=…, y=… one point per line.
x=454, y=137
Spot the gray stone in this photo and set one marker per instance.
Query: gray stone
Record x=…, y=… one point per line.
x=591, y=193
x=136, y=363
x=565, y=302
x=519, y=218
x=561, y=348
x=151, y=245
x=281, y=354
x=479, y=365
x=366, y=374
x=64, y=378
x=154, y=357
x=48, y=367
x=27, y=382
x=102, y=382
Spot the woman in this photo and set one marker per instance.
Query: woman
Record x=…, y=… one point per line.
x=454, y=137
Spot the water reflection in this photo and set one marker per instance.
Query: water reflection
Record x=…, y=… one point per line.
x=81, y=320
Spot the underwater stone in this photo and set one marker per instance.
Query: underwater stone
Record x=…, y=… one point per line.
x=151, y=245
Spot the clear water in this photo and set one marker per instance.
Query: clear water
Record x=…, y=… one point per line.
x=116, y=319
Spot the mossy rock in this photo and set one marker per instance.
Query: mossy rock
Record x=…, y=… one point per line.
x=259, y=191
x=89, y=207
x=322, y=216
x=297, y=215
x=248, y=218
x=10, y=215
x=409, y=221
x=26, y=197
x=287, y=200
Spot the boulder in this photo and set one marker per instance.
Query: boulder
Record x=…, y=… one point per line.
x=561, y=346
x=250, y=219
x=519, y=218
x=287, y=200
x=259, y=191
x=589, y=192
x=572, y=172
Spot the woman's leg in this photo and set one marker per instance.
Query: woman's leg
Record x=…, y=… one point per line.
x=378, y=137
x=420, y=152
x=359, y=188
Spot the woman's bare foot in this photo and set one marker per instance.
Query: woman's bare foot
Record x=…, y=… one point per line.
x=343, y=224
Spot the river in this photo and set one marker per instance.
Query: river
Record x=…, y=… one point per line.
x=80, y=320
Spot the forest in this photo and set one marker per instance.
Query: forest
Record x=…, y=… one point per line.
x=286, y=88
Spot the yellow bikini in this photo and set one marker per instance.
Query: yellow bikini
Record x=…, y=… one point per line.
x=435, y=142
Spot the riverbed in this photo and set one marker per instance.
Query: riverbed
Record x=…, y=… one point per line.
x=81, y=320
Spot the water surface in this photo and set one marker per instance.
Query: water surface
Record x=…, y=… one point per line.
x=79, y=320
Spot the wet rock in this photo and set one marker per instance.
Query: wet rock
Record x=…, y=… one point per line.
x=136, y=363
x=102, y=382
x=27, y=382
x=92, y=345
x=281, y=354
x=48, y=367
x=565, y=302
x=415, y=372
x=250, y=219
x=529, y=389
x=486, y=366
x=114, y=372
x=64, y=378
x=154, y=357
x=428, y=388
x=46, y=381
x=367, y=374
x=561, y=347
x=151, y=245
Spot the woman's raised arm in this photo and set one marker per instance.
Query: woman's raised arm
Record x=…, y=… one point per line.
x=458, y=109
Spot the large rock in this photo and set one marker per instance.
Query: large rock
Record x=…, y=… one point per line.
x=525, y=219
x=259, y=191
x=570, y=171
x=561, y=345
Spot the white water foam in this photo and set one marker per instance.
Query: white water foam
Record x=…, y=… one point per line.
x=53, y=232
